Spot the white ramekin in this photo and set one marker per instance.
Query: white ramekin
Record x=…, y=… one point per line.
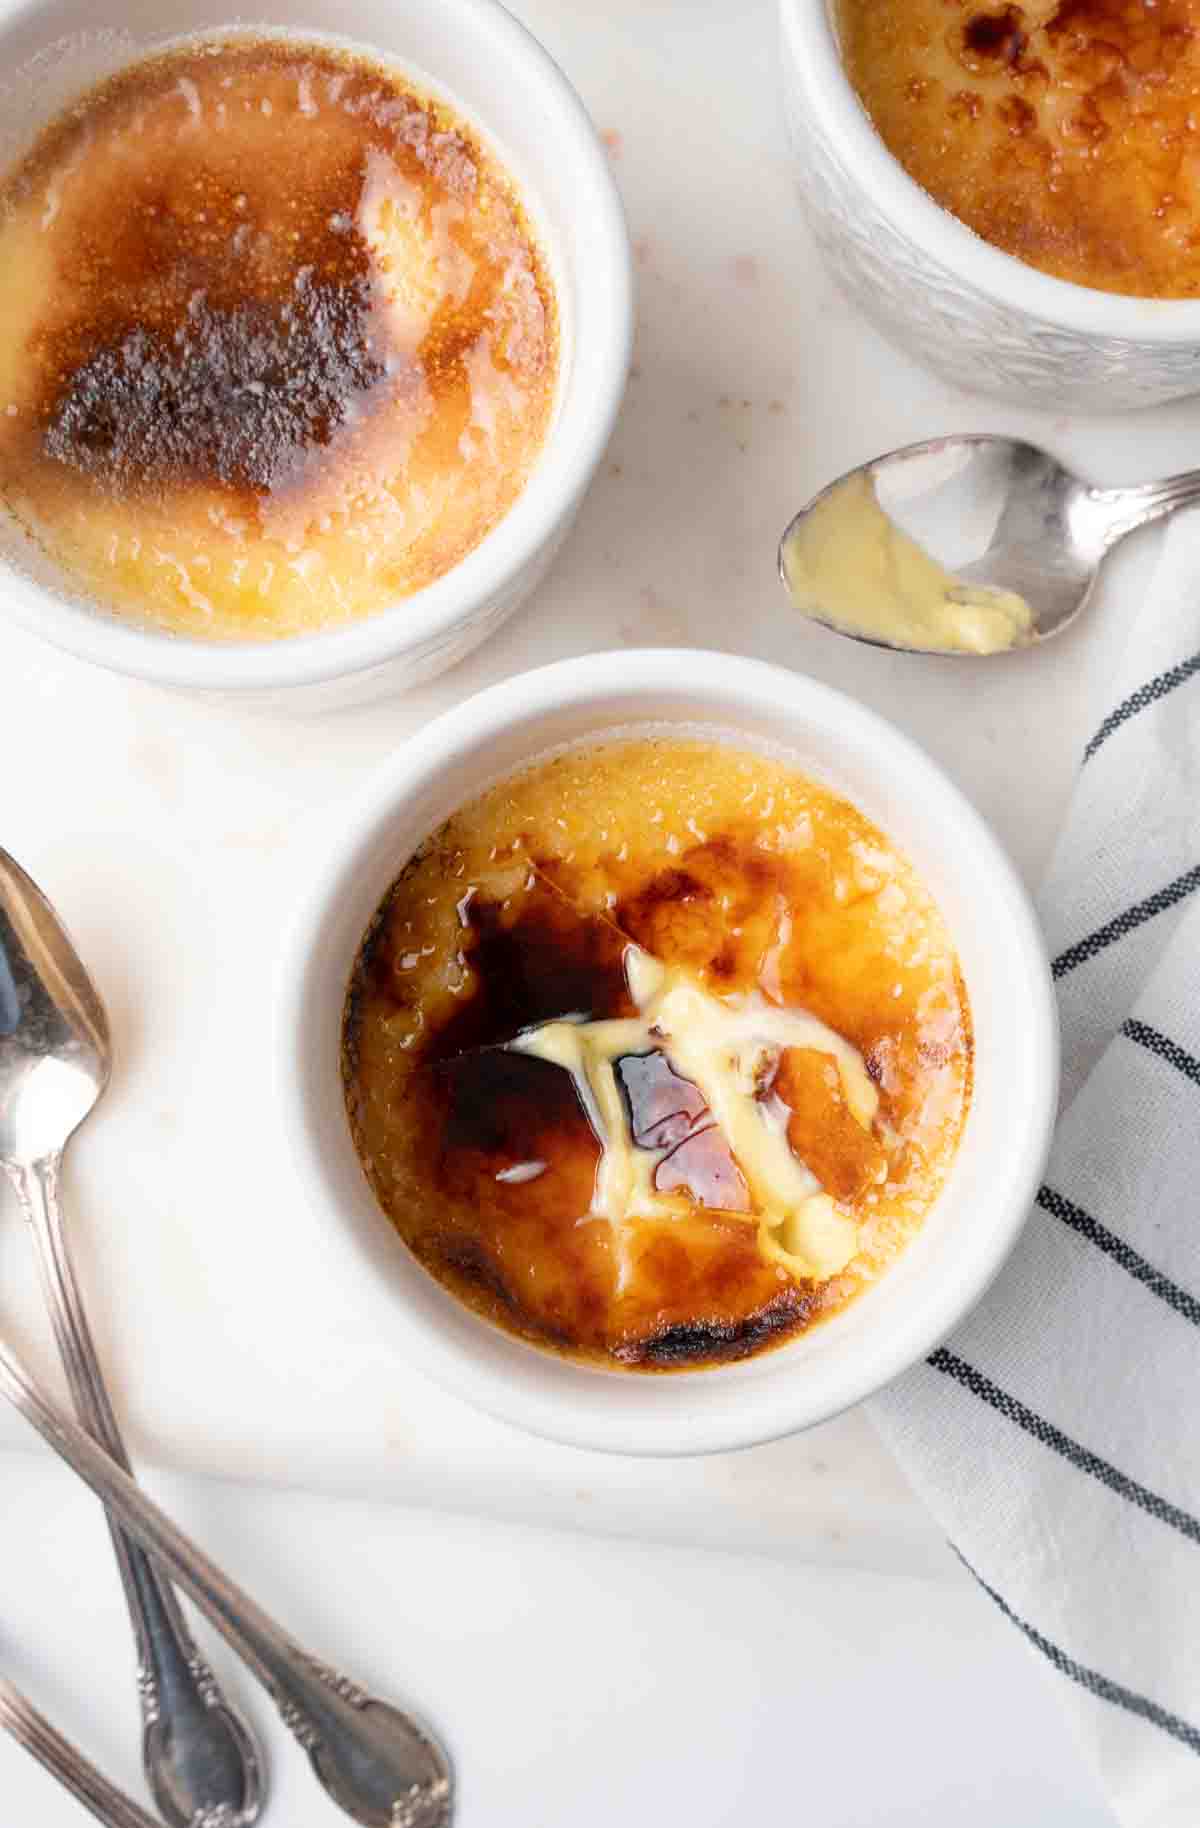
x=980, y=317
x=475, y=54
x=969, y=1231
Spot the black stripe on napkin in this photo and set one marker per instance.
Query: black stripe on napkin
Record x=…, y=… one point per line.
x=1103, y=1687
x=1050, y=1436
x=1122, y=1253
x=1133, y=917
x=1146, y=695
x=1164, y=1047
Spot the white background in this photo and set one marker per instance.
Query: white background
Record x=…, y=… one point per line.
x=175, y=836
x=580, y=1682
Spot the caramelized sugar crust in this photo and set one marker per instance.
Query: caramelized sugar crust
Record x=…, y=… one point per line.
x=520, y=910
x=1067, y=134
x=276, y=343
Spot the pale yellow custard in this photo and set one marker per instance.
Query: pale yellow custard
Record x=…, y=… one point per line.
x=847, y=562
x=277, y=343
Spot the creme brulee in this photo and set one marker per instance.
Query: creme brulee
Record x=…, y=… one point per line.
x=657, y=1053
x=1066, y=132
x=277, y=343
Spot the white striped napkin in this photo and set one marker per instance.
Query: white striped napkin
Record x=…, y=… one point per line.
x=1056, y=1435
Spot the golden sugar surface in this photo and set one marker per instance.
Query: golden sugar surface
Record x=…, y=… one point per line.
x=1066, y=134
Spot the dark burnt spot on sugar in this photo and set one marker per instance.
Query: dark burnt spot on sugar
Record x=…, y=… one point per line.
x=539, y=962
x=219, y=320
x=237, y=397
x=1001, y=36
x=714, y=1341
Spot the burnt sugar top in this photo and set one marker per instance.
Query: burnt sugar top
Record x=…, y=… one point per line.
x=657, y=1054
x=270, y=279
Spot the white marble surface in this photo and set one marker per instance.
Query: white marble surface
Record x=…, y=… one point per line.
x=174, y=835
x=577, y=1682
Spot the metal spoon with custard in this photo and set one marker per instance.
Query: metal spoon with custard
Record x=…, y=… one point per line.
x=966, y=545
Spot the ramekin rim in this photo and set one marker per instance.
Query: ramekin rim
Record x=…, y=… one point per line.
x=770, y=1410
x=595, y=387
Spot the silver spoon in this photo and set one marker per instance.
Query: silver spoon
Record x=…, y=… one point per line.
x=66, y=1762
x=203, y=1767
x=374, y=1761
x=999, y=514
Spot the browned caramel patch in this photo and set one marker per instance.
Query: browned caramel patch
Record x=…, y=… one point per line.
x=667, y=1113
x=482, y=1114
x=715, y=910
x=999, y=35
x=535, y=960
x=700, y=1293
x=846, y=1159
x=149, y=410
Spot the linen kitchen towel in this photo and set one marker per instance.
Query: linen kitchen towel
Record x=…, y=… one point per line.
x=1056, y=1434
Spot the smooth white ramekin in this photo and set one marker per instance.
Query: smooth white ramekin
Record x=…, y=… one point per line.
x=982, y=318
x=972, y=1226
x=475, y=54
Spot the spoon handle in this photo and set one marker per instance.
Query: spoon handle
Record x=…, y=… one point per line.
x=201, y=1763
x=376, y=1763
x=1136, y=506
x=66, y=1762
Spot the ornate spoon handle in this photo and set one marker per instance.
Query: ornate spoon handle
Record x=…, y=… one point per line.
x=376, y=1763
x=1137, y=504
x=203, y=1767
x=32, y=1730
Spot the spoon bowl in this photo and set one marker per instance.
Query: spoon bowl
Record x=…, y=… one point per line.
x=55, y=1048
x=997, y=516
